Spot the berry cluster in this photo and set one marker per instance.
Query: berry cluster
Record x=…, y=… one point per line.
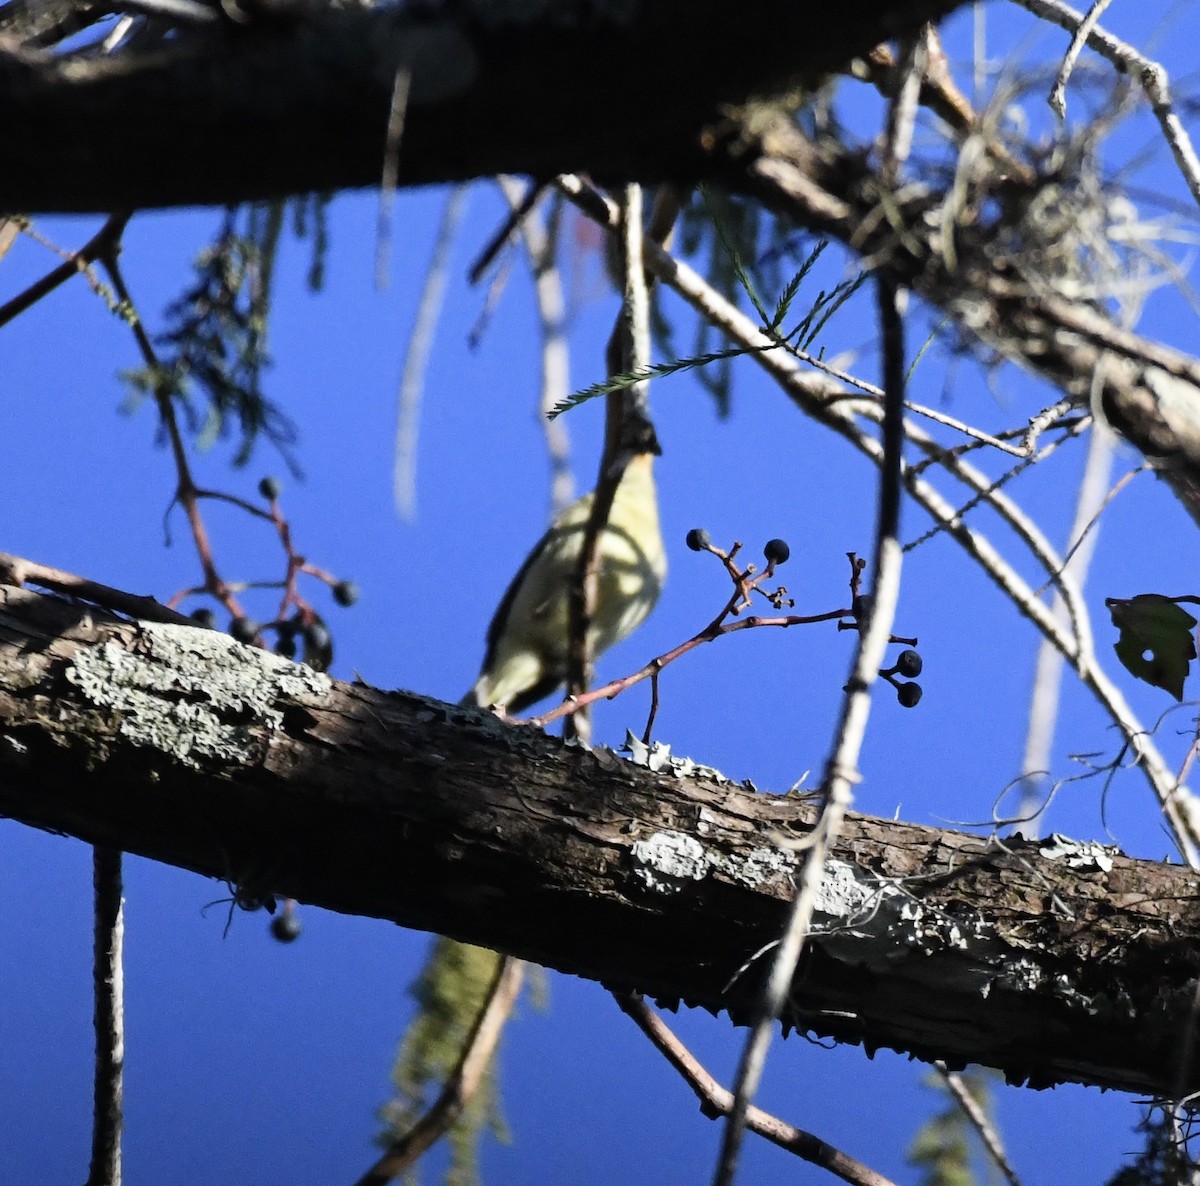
x=908, y=664
x=776, y=552
x=297, y=624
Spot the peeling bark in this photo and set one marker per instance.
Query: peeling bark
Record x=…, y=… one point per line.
x=1053, y=961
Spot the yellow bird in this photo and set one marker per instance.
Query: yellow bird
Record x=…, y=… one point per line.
x=527, y=641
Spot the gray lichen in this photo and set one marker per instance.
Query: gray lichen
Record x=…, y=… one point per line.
x=193, y=694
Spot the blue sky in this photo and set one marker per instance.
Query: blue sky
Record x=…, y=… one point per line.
x=252, y=1062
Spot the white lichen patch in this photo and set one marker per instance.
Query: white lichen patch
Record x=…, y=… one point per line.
x=193, y=694
x=759, y=866
x=667, y=861
x=657, y=756
x=846, y=897
x=1079, y=854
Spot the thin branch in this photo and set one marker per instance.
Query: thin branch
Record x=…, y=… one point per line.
x=714, y=630
x=841, y=768
x=16, y=570
x=104, y=242
x=464, y=1081
x=629, y=350
x=521, y=209
x=540, y=239
x=187, y=12
x=186, y=491
x=1150, y=75
x=979, y=1121
x=1058, y=93
x=716, y=1100
x=416, y=358
x=390, y=175
x=1047, y=681
x=108, y=1019
x=902, y=110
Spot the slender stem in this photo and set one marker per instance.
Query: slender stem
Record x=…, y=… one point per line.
x=979, y=1121
x=103, y=242
x=464, y=1081
x=841, y=770
x=16, y=570
x=416, y=358
x=716, y=1100
x=108, y=1019
x=186, y=491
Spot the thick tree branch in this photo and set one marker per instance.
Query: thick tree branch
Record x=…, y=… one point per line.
x=218, y=117
x=184, y=746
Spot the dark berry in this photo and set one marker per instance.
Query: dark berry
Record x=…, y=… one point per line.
x=345, y=592
x=205, y=617
x=909, y=695
x=698, y=539
x=270, y=488
x=776, y=551
x=285, y=926
x=244, y=629
x=909, y=664
x=286, y=645
x=316, y=634
x=318, y=645
x=862, y=606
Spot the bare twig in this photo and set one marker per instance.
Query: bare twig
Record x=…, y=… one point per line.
x=105, y=241
x=1047, y=680
x=390, y=174
x=1150, y=75
x=187, y=12
x=521, y=208
x=1058, y=94
x=979, y=1121
x=629, y=351
x=108, y=1018
x=744, y=584
x=16, y=570
x=186, y=491
x=416, y=358
x=902, y=111
x=541, y=246
x=841, y=768
x=463, y=1083
x=716, y=1100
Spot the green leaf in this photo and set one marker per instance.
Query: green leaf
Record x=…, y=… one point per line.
x=1156, y=643
x=727, y=234
x=657, y=370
